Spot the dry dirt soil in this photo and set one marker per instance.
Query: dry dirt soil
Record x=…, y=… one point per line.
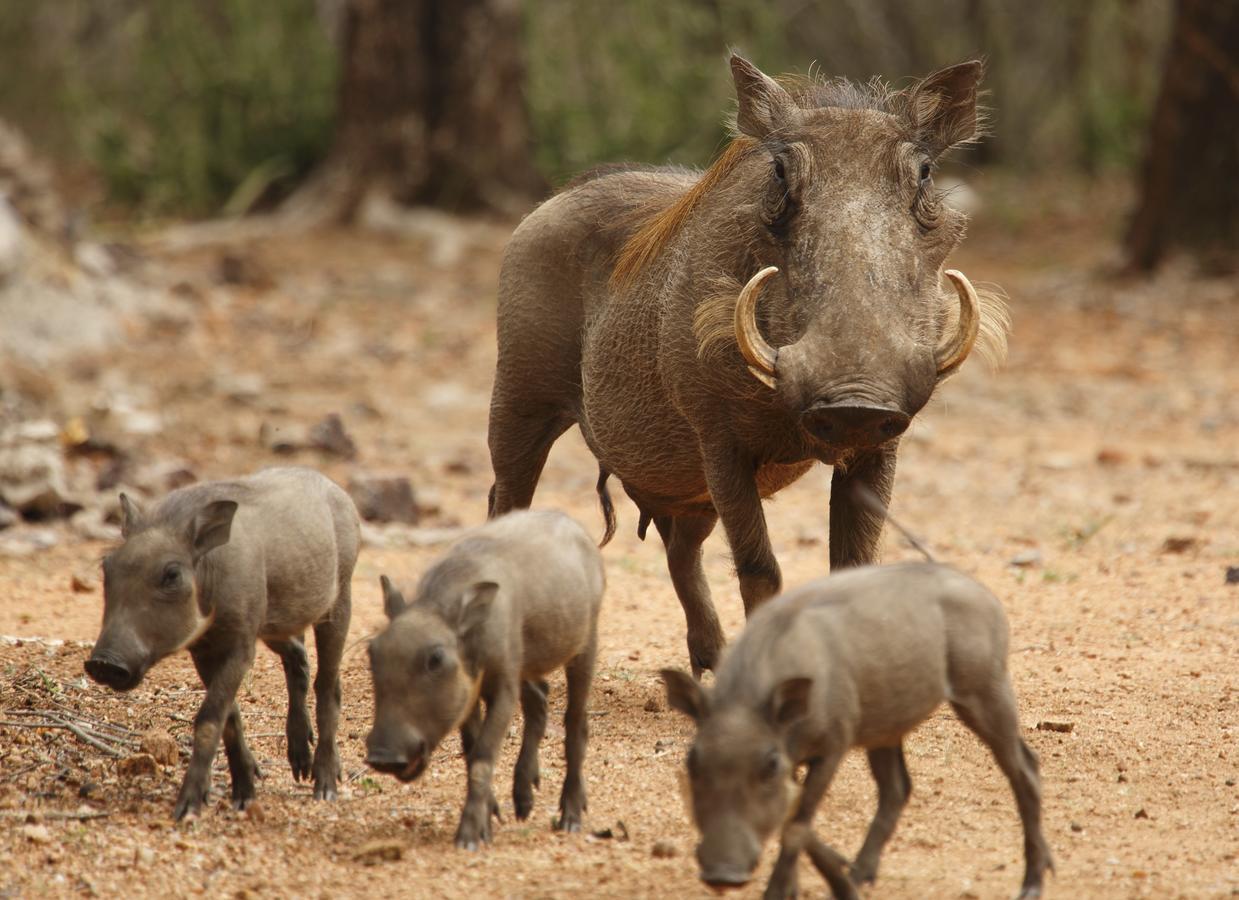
x=1092, y=483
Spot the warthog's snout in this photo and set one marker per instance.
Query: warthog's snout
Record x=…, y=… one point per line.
x=727, y=858
x=406, y=764
x=854, y=425
x=113, y=672
x=723, y=878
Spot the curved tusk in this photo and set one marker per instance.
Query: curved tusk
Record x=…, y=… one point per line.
x=761, y=357
x=952, y=352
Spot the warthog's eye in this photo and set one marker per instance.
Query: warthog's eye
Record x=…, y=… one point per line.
x=780, y=206
x=926, y=208
x=434, y=659
x=171, y=577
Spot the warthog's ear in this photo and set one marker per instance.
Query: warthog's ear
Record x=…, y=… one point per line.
x=943, y=106
x=685, y=694
x=474, y=610
x=764, y=106
x=131, y=515
x=212, y=527
x=789, y=702
x=393, y=600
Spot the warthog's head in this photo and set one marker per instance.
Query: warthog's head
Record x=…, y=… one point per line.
x=740, y=778
x=426, y=680
x=152, y=605
x=823, y=240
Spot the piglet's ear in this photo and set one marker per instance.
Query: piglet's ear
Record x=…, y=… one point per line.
x=212, y=527
x=393, y=601
x=789, y=702
x=475, y=607
x=131, y=515
x=685, y=694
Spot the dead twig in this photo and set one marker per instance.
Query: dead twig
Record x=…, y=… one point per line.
x=77, y=731
x=55, y=814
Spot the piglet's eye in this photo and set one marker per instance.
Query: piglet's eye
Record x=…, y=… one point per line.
x=434, y=659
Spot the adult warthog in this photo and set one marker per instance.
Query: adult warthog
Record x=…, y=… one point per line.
x=716, y=333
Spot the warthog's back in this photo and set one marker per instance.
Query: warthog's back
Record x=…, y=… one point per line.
x=293, y=525
x=550, y=571
x=884, y=644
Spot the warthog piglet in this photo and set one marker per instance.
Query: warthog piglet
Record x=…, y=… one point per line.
x=213, y=568
x=858, y=659
x=509, y=603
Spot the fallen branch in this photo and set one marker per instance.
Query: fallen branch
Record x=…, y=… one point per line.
x=94, y=742
x=53, y=814
x=79, y=732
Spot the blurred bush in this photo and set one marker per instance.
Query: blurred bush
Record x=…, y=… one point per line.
x=182, y=106
x=190, y=107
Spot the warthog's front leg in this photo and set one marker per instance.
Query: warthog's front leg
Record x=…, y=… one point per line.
x=474, y=829
x=855, y=526
x=890, y=771
x=221, y=672
x=798, y=835
x=732, y=480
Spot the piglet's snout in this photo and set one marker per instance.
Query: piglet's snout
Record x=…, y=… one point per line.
x=111, y=671
x=731, y=866
x=405, y=759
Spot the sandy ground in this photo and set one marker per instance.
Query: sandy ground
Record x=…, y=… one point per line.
x=1107, y=452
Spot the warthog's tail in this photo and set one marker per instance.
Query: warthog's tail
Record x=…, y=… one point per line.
x=870, y=499
x=608, y=508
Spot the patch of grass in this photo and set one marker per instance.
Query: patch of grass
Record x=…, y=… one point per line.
x=215, y=99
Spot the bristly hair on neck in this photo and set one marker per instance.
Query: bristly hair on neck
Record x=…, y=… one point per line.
x=653, y=236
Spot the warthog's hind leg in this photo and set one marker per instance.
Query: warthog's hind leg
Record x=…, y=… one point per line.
x=520, y=438
x=993, y=716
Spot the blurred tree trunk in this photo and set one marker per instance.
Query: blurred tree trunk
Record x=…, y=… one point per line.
x=1189, y=192
x=431, y=109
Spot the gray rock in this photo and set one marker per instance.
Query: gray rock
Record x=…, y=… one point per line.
x=32, y=469
x=384, y=498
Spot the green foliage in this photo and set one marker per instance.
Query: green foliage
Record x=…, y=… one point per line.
x=214, y=98
x=190, y=107
x=644, y=80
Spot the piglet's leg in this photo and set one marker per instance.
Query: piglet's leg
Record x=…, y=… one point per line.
x=474, y=829
x=991, y=713
x=297, y=728
x=221, y=672
x=576, y=735
x=469, y=731
x=329, y=637
x=894, y=785
x=527, y=775
x=798, y=835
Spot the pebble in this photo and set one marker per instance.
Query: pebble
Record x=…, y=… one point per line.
x=37, y=834
x=664, y=850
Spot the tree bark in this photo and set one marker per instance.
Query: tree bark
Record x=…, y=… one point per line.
x=431, y=109
x=1189, y=189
